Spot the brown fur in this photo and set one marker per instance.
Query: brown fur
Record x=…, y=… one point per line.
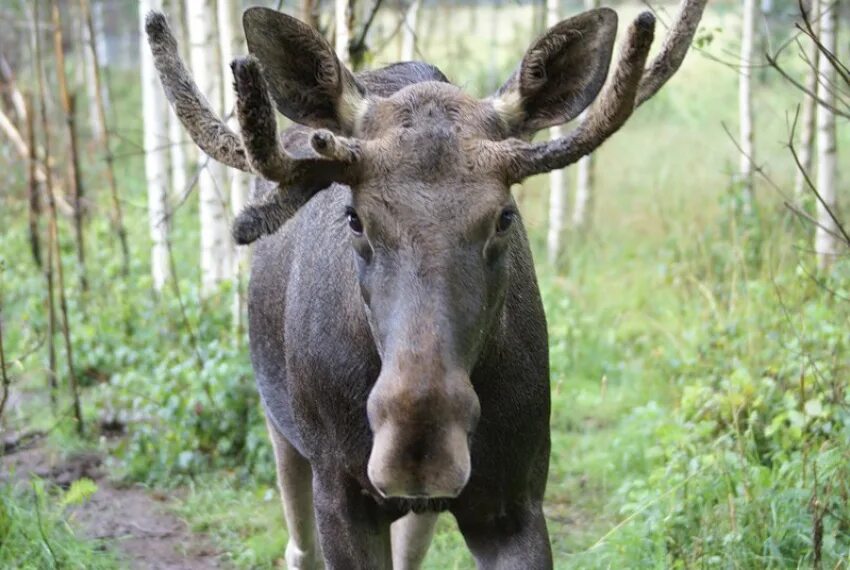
x=397, y=333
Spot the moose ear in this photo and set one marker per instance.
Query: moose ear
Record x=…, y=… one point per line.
x=306, y=79
x=560, y=74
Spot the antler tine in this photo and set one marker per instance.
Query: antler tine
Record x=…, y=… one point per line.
x=626, y=89
x=332, y=158
x=609, y=112
x=206, y=129
x=673, y=51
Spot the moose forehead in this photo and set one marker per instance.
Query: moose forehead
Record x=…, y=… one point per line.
x=429, y=132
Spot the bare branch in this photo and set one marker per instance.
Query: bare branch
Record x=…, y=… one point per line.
x=360, y=45
x=7, y=80
x=773, y=63
x=13, y=134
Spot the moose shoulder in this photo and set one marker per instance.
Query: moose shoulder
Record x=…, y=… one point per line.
x=396, y=329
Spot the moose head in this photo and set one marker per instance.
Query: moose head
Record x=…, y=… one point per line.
x=431, y=221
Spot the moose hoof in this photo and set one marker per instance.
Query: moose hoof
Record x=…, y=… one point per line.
x=297, y=559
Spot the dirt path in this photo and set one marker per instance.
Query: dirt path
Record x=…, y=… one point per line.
x=132, y=520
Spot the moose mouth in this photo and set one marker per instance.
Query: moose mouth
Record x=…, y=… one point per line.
x=415, y=505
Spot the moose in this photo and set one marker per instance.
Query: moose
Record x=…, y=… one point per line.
x=397, y=333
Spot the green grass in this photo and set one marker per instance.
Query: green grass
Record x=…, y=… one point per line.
x=34, y=533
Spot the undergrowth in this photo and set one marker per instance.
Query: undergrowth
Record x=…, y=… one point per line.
x=35, y=534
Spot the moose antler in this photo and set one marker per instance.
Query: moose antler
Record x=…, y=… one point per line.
x=259, y=149
x=332, y=157
x=208, y=131
x=629, y=86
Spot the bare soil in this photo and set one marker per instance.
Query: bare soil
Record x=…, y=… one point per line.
x=131, y=520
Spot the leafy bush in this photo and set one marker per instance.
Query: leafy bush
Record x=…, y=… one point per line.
x=34, y=533
x=752, y=468
x=187, y=395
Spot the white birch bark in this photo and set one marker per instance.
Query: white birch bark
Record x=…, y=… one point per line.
x=745, y=102
x=102, y=49
x=342, y=36
x=177, y=150
x=154, y=113
x=178, y=142
x=807, y=119
x=557, y=183
x=205, y=56
x=583, y=206
x=233, y=45
x=827, y=244
x=408, y=32
x=91, y=84
x=584, y=202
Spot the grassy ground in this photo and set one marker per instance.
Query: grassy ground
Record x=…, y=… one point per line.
x=34, y=533
x=700, y=412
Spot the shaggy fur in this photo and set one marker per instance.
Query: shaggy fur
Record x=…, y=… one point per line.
x=396, y=329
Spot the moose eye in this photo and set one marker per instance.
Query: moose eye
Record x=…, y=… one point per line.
x=354, y=221
x=506, y=218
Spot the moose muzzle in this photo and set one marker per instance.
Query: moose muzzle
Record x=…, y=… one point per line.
x=421, y=430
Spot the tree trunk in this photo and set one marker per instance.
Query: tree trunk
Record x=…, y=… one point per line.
x=232, y=45
x=101, y=99
x=342, y=36
x=557, y=185
x=205, y=55
x=178, y=143
x=156, y=140
x=74, y=179
x=97, y=30
x=745, y=103
x=539, y=11
x=89, y=66
x=583, y=208
x=54, y=254
x=310, y=13
x=11, y=91
x=827, y=243
x=807, y=121
x=47, y=179
x=408, y=33
x=34, y=195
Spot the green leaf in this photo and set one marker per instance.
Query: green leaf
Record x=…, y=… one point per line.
x=813, y=408
x=79, y=492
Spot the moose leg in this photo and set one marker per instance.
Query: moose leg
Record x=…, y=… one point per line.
x=294, y=478
x=411, y=537
x=354, y=531
x=515, y=538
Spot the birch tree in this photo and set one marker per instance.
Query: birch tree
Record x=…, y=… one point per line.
x=177, y=141
x=155, y=121
x=557, y=183
x=90, y=68
x=342, y=33
x=309, y=12
x=408, y=33
x=583, y=207
x=745, y=102
x=827, y=242
x=807, y=120
x=101, y=102
x=98, y=30
x=68, y=110
x=216, y=245
x=232, y=45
